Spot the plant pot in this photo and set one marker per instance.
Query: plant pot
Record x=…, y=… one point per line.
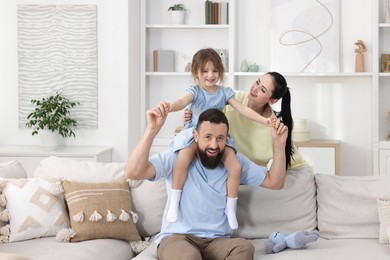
x=177, y=17
x=49, y=140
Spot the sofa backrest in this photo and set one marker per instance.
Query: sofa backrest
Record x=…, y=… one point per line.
x=347, y=205
x=263, y=211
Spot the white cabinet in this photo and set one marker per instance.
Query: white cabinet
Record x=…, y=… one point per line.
x=381, y=90
x=31, y=156
x=322, y=155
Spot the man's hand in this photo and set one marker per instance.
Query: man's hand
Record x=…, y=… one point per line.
x=187, y=116
x=157, y=115
x=279, y=133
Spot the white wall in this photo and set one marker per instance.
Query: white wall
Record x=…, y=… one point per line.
x=336, y=108
x=113, y=77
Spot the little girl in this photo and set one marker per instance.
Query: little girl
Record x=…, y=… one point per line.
x=207, y=69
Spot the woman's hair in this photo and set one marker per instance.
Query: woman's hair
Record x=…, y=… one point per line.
x=203, y=56
x=281, y=91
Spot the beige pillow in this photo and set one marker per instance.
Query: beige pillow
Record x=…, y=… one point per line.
x=347, y=206
x=100, y=210
x=384, y=221
x=262, y=211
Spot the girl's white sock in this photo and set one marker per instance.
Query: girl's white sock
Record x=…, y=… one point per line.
x=230, y=211
x=174, y=205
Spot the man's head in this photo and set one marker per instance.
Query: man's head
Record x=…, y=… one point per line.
x=210, y=135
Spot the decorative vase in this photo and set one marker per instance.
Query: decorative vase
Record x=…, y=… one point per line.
x=49, y=140
x=177, y=17
x=244, y=66
x=386, y=18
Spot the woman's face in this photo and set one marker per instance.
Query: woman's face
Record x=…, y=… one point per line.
x=261, y=90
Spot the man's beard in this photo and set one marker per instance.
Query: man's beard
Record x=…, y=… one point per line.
x=210, y=162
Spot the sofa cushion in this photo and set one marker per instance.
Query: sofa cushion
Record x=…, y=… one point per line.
x=11, y=169
x=34, y=211
x=347, y=205
x=79, y=171
x=384, y=221
x=149, y=201
x=100, y=210
x=262, y=211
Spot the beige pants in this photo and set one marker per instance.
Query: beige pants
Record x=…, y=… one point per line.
x=188, y=247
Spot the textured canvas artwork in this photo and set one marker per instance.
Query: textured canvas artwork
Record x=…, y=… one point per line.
x=305, y=36
x=57, y=52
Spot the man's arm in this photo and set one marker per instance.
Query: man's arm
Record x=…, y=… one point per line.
x=138, y=166
x=277, y=173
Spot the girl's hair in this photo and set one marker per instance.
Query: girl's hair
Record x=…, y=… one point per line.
x=282, y=91
x=203, y=56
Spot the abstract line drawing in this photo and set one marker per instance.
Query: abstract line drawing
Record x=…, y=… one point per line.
x=57, y=52
x=307, y=38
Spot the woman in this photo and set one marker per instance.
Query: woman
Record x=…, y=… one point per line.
x=252, y=139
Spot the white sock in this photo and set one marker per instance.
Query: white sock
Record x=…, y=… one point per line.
x=230, y=211
x=174, y=205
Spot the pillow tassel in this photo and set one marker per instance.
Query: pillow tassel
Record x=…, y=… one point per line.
x=4, y=239
x=124, y=216
x=5, y=216
x=3, y=183
x=5, y=231
x=133, y=183
x=3, y=200
x=111, y=217
x=79, y=217
x=56, y=188
x=135, y=216
x=95, y=216
x=65, y=234
x=139, y=246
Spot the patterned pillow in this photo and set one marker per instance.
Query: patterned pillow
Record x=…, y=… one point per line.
x=31, y=209
x=384, y=221
x=100, y=210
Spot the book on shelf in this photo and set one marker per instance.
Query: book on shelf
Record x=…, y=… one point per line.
x=216, y=12
x=163, y=60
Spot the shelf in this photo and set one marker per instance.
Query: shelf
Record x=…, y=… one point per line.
x=187, y=26
x=384, y=74
x=318, y=74
x=384, y=25
x=384, y=144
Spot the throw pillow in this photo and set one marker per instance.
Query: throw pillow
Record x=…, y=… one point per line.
x=100, y=210
x=384, y=221
x=31, y=209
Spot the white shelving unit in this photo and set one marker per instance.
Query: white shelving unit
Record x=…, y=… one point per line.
x=381, y=91
x=157, y=33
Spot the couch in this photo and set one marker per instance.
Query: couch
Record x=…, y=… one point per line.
x=351, y=213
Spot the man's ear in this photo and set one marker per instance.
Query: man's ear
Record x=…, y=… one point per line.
x=273, y=101
x=196, y=136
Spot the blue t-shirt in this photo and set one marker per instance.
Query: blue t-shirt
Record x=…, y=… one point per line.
x=203, y=199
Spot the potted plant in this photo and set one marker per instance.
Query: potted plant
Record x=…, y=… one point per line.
x=178, y=12
x=51, y=117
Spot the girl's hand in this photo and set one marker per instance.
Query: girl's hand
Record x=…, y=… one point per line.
x=187, y=116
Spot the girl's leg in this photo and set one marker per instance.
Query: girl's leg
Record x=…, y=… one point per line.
x=233, y=182
x=179, y=176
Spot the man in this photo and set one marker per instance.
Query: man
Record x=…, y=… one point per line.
x=202, y=230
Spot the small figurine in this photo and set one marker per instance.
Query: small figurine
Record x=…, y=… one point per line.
x=359, y=66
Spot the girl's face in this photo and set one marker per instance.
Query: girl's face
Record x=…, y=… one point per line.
x=261, y=90
x=209, y=76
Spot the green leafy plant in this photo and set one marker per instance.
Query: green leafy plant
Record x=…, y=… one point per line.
x=177, y=7
x=52, y=113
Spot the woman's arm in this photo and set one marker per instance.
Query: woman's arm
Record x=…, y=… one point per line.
x=249, y=112
x=181, y=103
